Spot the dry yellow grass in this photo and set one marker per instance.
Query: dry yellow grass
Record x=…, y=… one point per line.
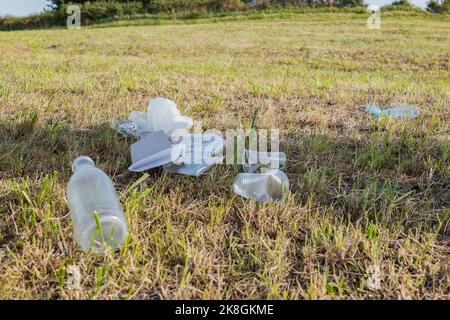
x=365, y=195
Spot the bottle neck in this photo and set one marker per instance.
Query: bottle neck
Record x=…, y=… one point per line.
x=82, y=162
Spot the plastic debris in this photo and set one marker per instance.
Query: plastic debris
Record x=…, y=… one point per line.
x=263, y=187
x=152, y=151
x=140, y=120
x=97, y=216
x=125, y=128
x=162, y=115
x=404, y=111
x=187, y=169
x=201, y=152
x=194, y=154
x=253, y=160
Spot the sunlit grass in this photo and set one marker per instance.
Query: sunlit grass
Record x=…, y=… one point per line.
x=364, y=193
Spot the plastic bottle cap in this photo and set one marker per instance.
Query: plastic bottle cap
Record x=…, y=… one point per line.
x=81, y=161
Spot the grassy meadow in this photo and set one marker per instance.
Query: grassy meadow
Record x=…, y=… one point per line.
x=370, y=199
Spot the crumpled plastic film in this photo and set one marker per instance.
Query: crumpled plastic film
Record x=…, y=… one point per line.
x=162, y=115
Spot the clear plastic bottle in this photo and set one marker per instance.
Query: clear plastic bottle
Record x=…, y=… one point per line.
x=404, y=111
x=91, y=195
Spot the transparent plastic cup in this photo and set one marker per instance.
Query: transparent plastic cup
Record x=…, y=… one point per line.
x=263, y=187
x=97, y=216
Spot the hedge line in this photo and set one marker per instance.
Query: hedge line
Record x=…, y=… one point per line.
x=96, y=11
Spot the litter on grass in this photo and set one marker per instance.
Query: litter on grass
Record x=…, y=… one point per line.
x=194, y=154
x=162, y=115
x=125, y=128
x=263, y=187
x=262, y=179
x=189, y=154
x=154, y=150
x=97, y=216
x=404, y=111
x=200, y=153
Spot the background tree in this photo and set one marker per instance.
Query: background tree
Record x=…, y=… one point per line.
x=404, y=3
x=438, y=6
x=163, y=5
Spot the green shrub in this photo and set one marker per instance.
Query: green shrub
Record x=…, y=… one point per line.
x=90, y=12
x=94, y=11
x=404, y=3
x=401, y=5
x=44, y=20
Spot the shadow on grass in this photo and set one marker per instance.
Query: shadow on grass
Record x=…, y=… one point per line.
x=28, y=149
x=380, y=178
